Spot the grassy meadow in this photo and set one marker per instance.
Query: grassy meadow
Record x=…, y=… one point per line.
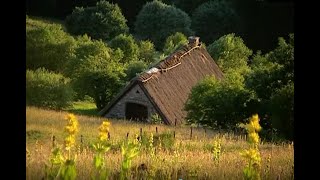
x=184, y=157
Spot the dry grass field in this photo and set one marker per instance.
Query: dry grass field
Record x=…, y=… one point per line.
x=180, y=158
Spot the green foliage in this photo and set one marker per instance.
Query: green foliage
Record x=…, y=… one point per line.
x=86, y=47
x=134, y=68
x=99, y=160
x=47, y=89
x=129, y=151
x=34, y=134
x=47, y=45
x=56, y=160
x=96, y=71
x=281, y=107
x=100, y=77
x=156, y=119
x=156, y=21
x=218, y=103
x=230, y=53
x=68, y=170
x=146, y=51
x=127, y=45
x=174, y=42
x=214, y=19
x=164, y=140
x=272, y=77
x=103, y=21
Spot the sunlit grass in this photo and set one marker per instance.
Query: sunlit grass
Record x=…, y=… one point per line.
x=189, y=158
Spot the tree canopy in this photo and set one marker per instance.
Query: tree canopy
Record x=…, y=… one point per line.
x=214, y=19
x=156, y=21
x=103, y=21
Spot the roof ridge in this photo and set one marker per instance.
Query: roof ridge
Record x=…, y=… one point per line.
x=170, y=62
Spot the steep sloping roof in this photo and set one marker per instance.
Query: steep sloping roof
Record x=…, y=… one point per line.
x=169, y=83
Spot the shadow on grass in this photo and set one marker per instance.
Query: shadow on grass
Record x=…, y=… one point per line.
x=85, y=112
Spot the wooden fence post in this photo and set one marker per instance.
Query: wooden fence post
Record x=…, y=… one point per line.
x=53, y=141
x=108, y=135
x=140, y=134
x=127, y=135
x=156, y=130
x=190, y=132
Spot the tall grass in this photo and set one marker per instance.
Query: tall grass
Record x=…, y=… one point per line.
x=187, y=159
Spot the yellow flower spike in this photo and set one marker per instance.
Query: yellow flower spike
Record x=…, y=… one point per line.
x=103, y=130
x=254, y=122
x=72, y=126
x=69, y=142
x=103, y=136
x=254, y=138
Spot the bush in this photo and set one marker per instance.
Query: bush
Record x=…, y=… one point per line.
x=47, y=89
x=281, y=107
x=103, y=21
x=230, y=53
x=48, y=46
x=100, y=77
x=127, y=45
x=214, y=19
x=156, y=21
x=174, y=42
x=220, y=104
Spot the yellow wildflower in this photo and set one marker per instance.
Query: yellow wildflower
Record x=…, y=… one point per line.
x=252, y=154
x=254, y=138
x=69, y=142
x=103, y=136
x=72, y=126
x=103, y=130
x=254, y=122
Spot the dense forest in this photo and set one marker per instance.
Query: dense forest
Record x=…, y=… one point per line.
x=262, y=21
x=87, y=49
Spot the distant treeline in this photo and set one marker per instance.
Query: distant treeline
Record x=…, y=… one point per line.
x=259, y=19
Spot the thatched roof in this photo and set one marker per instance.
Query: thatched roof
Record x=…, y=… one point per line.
x=169, y=83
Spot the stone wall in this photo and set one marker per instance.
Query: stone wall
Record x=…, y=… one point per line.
x=135, y=95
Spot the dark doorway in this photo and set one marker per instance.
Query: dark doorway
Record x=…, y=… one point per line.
x=136, y=112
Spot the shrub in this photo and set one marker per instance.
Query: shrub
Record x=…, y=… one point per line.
x=220, y=103
x=103, y=21
x=47, y=89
